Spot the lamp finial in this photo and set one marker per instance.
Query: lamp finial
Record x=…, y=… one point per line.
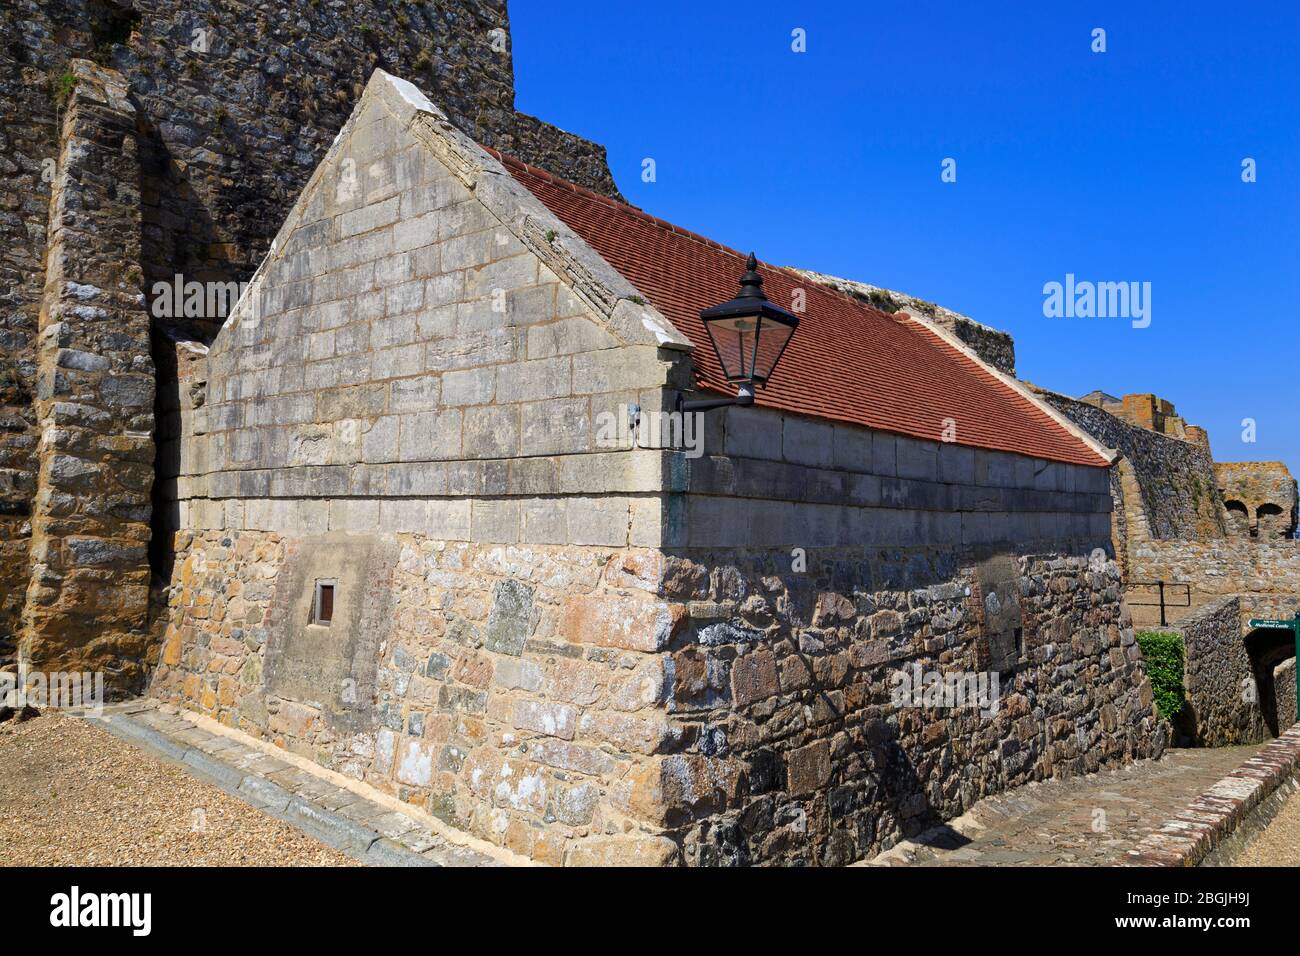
x=751, y=283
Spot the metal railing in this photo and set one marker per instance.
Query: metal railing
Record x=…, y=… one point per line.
x=1161, y=586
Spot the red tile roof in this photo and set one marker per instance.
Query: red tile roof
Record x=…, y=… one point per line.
x=848, y=361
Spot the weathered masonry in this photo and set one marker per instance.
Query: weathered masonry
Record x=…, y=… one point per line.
x=220, y=110
x=439, y=535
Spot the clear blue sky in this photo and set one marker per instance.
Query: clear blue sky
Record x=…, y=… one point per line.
x=1115, y=166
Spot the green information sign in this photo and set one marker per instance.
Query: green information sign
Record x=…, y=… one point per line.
x=1292, y=625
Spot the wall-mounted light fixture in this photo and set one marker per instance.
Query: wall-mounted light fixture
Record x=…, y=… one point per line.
x=749, y=334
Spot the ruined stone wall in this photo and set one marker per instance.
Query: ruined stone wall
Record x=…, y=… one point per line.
x=236, y=103
x=1154, y=414
x=1218, y=677
x=1174, y=478
x=88, y=600
x=1260, y=497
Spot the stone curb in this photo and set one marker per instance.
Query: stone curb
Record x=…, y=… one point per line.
x=1217, y=813
x=334, y=830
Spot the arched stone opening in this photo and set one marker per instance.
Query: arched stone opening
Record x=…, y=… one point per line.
x=1269, y=647
x=1272, y=522
x=1238, y=518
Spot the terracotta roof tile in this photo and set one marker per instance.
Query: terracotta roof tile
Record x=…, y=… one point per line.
x=848, y=361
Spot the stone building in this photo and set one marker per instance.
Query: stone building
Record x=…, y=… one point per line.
x=441, y=531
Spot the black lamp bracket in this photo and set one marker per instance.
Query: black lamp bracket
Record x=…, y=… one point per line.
x=746, y=397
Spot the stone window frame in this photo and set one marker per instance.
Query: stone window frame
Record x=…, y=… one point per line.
x=317, y=592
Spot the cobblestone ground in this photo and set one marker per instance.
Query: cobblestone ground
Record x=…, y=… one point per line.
x=1279, y=843
x=73, y=795
x=1083, y=821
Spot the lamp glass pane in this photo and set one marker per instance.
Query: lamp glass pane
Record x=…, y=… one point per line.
x=733, y=339
x=771, y=340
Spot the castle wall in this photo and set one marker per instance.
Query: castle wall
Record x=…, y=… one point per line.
x=1164, y=488
x=1216, y=568
x=993, y=346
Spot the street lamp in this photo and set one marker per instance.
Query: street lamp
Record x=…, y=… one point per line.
x=749, y=333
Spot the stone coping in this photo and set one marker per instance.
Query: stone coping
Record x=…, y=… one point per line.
x=1212, y=817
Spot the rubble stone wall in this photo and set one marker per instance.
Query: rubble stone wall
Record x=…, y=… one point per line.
x=1217, y=568
x=1284, y=690
x=510, y=690
x=587, y=705
x=1218, y=679
x=87, y=602
x=797, y=749
x=1174, y=478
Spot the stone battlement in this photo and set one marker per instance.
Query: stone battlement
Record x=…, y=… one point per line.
x=1150, y=412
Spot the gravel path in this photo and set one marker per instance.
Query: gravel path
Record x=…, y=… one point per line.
x=73, y=795
x=1279, y=843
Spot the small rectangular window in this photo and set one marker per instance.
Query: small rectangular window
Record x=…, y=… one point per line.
x=322, y=609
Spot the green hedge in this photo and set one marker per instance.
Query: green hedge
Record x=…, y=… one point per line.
x=1163, y=651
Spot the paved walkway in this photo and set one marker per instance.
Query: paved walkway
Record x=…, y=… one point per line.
x=1082, y=821
x=350, y=817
